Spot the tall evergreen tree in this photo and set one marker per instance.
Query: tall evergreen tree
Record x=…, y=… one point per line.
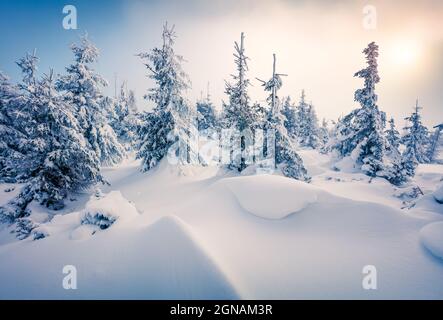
x=60, y=161
x=132, y=102
x=434, y=143
x=169, y=121
x=308, y=132
x=12, y=139
x=207, y=117
x=124, y=120
x=289, y=110
x=64, y=163
x=324, y=136
x=416, y=141
x=238, y=113
x=286, y=158
x=83, y=89
x=362, y=131
x=26, y=108
x=393, y=139
x=121, y=106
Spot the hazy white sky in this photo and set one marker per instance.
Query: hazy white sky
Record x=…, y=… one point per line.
x=317, y=43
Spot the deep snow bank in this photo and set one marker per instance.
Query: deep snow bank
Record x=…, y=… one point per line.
x=160, y=261
x=271, y=197
x=431, y=237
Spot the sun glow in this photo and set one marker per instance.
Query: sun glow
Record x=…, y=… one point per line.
x=406, y=53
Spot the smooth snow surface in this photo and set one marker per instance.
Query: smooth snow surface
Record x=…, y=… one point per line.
x=432, y=238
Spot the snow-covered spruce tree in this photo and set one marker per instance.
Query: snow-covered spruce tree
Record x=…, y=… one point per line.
x=393, y=139
x=325, y=134
x=82, y=88
x=289, y=110
x=302, y=110
x=124, y=120
x=396, y=170
x=416, y=141
x=12, y=139
x=168, y=123
x=26, y=107
x=361, y=132
x=417, y=136
x=308, y=130
x=132, y=102
x=207, y=117
x=121, y=108
x=238, y=114
x=286, y=158
x=434, y=142
x=61, y=161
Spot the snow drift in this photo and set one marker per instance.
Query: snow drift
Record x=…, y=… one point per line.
x=271, y=197
x=160, y=261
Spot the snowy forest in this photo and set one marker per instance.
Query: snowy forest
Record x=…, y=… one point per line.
x=213, y=193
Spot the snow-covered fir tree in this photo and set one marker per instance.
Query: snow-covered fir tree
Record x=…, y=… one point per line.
x=286, y=158
x=121, y=106
x=82, y=88
x=169, y=121
x=12, y=139
x=132, y=102
x=24, y=121
x=124, y=119
x=60, y=161
x=416, y=141
x=308, y=132
x=302, y=110
x=393, y=139
x=238, y=113
x=324, y=136
x=434, y=143
x=207, y=117
x=289, y=110
x=361, y=132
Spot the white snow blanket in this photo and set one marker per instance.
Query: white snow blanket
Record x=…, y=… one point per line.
x=211, y=234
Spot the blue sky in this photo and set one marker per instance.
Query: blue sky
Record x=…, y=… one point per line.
x=28, y=24
x=318, y=43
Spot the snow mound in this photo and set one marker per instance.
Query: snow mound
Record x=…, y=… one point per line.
x=101, y=212
x=438, y=195
x=271, y=197
x=104, y=211
x=431, y=237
